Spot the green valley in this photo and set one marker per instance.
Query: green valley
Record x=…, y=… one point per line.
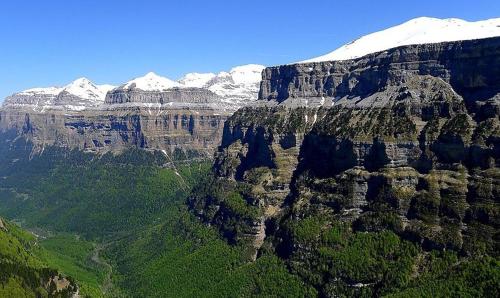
x=130, y=212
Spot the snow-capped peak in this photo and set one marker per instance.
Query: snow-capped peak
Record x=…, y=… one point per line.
x=77, y=95
x=151, y=82
x=81, y=82
x=84, y=88
x=235, y=88
x=240, y=75
x=416, y=31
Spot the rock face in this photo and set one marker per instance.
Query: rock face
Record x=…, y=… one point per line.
x=150, y=112
x=186, y=131
x=465, y=65
x=173, y=96
x=2, y=225
x=407, y=140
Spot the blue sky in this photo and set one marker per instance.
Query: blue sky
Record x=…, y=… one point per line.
x=53, y=42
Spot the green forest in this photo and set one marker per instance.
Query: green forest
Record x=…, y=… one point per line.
x=132, y=211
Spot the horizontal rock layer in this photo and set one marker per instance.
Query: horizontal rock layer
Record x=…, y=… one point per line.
x=196, y=132
x=177, y=95
x=411, y=144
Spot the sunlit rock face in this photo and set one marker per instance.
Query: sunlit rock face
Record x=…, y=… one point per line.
x=407, y=140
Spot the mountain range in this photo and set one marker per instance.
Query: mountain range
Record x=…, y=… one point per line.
x=233, y=89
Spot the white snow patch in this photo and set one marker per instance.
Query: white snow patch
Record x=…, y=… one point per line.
x=235, y=88
x=42, y=91
x=194, y=79
x=242, y=82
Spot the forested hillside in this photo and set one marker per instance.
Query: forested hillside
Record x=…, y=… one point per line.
x=23, y=272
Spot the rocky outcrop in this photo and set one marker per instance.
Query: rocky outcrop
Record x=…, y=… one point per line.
x=407, y=140
x=175, y=95
x=2, y=225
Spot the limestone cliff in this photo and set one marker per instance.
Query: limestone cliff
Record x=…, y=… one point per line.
x=407, y=140
x=194, y=132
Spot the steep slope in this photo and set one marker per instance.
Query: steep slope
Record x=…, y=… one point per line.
x=22, y=273
x=356, y=82
x=422, y=30
x=367, y=174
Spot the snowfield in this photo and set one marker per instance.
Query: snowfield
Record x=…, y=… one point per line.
x=417, y=31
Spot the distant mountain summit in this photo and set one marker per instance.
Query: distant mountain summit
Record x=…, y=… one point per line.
x=77, y=95
x=150, y=82
x=225, y=91
x=421, y=30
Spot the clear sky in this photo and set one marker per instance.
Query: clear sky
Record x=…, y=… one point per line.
x=53, y=42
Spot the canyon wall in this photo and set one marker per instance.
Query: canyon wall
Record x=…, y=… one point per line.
x=175, y=130
x=407, y=140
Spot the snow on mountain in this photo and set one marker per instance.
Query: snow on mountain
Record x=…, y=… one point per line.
x=150, y=82
x=195, y=79
x=241, y=82
x=77, y=95
x=417, y=31
x=42, y=91
x=234, y=89
x=81, y=87
x=85, y=89
x=105, y=88
x=239, y=85
x=247, y=74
